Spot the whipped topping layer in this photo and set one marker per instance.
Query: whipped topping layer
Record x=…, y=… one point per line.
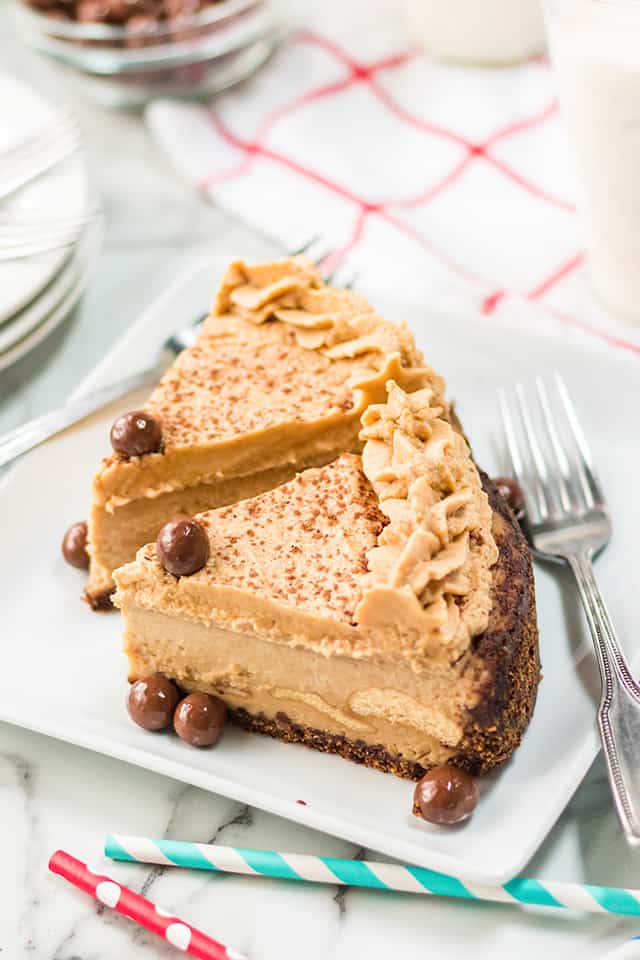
x=280, y=374
x=303, y=544
x=340, y=324
x=282, y=347
x=430, y=571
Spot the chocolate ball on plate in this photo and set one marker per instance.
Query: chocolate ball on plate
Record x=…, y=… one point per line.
x=445, y=795
x=511, y=491
x=136, y=433
x=152, y=701
x=74, y=546
x=199, y=719
x=182, y=546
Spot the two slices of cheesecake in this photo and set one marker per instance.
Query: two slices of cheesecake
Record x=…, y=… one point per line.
x=367, y=591
x=277, y=382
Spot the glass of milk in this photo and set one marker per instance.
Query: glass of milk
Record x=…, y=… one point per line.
x=595, y=46
x=477, y=32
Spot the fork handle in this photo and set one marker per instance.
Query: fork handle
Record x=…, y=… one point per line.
x=619, y=711
x=30, y=434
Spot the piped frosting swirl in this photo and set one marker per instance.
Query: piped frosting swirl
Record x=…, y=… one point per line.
x=431, y=568
x=339, y=323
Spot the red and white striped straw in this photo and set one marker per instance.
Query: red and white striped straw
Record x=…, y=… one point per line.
x=173, y=930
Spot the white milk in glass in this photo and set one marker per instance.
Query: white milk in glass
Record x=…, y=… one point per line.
x=595, y=46
x=482, y=32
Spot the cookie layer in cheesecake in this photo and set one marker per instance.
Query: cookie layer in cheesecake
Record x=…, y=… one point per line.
x=276, y=382
x=344, y=609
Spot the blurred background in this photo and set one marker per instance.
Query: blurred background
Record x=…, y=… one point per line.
x=152, y=222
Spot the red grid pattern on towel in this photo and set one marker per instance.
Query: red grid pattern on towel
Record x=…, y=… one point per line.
x=474, y=153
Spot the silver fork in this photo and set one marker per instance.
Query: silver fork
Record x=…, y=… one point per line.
x=21, y=238
x=567, y=520
x=36, y=431
x=38, y=153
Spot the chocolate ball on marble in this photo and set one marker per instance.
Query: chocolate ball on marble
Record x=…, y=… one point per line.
x=136, y=433
x=511, y=491
x=445, y=795
x=74, y=546
x=152, y=701
x=199, y=719
x=182, y=546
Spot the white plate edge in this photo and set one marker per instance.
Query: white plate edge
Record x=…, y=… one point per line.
x=306, y=815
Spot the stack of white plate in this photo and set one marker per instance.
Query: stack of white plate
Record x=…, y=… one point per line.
x=36, y=294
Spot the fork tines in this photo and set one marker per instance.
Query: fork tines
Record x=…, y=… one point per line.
x=327, y=260
x=549, y=454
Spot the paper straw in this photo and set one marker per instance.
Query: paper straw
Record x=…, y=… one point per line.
x=361, y=873
x=173, y=930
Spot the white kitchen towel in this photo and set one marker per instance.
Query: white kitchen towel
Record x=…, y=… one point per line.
x=444, y=185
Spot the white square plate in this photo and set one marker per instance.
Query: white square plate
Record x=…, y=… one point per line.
x=63, y=673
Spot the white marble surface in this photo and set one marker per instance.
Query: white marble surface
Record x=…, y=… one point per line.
x=53, y=795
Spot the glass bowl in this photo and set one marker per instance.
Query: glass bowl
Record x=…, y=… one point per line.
x=190, y=56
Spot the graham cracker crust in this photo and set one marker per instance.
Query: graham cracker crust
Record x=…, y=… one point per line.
x=282, y=728
x=508, y=649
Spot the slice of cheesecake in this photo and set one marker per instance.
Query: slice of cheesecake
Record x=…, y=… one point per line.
x=276, y=382
x=380, y=607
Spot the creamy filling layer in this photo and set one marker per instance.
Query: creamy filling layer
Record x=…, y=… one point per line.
x=420, y=718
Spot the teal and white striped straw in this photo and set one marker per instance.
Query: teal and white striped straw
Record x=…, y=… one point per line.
x=362, y=873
